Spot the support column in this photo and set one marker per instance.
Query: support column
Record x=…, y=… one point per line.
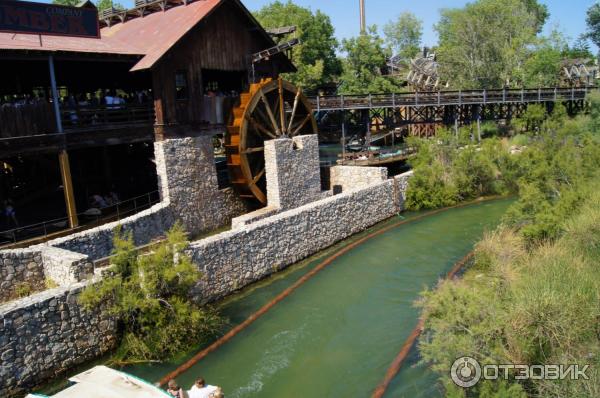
x=63, y=157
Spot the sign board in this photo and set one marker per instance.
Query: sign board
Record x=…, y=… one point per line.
x=48, y=19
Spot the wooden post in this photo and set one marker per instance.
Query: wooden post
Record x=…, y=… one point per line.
x=479, y=129
x=63, y=156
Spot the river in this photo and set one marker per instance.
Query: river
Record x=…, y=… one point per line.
x=337, y=334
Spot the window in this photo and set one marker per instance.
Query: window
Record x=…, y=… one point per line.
x=181, y=86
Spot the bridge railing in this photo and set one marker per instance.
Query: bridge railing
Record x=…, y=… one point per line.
x=468, y=97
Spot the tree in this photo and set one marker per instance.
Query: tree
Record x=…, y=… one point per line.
x=315, y=57
x=149, y=294
x=580, y=49
x=106, y=4
x=543, y=66
x=71, y=3
x=101, y=4
x=593, y=23
x=404, y=35
x=484, y=44
x=366, y=56
x=540, y=11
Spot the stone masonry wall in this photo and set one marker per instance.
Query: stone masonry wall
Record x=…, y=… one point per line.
x=97, y=242
x=293, y=173
x=234, y=259
x=188, y=181
x=66, y=267
x=20, y=269
x=344, y=178
x=44, y=335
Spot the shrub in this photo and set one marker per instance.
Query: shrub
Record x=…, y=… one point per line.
x=149, y=294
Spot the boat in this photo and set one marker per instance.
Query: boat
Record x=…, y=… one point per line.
x=103, y=382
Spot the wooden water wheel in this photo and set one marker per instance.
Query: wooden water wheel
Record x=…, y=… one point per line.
x=271, y=109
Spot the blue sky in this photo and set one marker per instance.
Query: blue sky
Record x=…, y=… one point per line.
x=569, y=15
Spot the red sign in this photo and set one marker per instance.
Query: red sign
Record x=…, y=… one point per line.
x=48, y=19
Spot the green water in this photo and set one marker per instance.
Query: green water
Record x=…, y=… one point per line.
x=337, y=334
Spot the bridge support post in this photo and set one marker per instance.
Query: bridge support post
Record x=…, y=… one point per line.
x=63, y=157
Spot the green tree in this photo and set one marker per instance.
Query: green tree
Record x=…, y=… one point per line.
x=315, y=57
x=484, y=44
x=101, y=4
x=149, y=294
x=71, y=3
x=404, y=35
x=593, y=23
x=579, y=49
x=543, y=65
x=106, y=4
x=366, y=57
x=540, y=11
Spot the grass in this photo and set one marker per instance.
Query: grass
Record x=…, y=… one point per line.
x=517, y=305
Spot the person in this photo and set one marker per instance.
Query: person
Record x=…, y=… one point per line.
x=10, y=214
x=174, y=390
x=202, y=390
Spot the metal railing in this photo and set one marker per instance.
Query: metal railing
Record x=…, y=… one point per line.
x=438, y=98
x=87, y=220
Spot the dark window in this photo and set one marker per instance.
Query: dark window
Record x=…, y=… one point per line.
x=181, y=86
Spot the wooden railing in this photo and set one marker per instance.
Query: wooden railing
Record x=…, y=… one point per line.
x=440, y=98
x=103, y=117
x=26, y=120
x=37, y=119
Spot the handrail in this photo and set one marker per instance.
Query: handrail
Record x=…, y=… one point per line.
x=439, y=98
x=120, y=210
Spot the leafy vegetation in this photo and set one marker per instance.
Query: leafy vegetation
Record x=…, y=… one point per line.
x=100, y=4
x=404, y=35
x=531, y=295
x=366, y=57
x=315, y=57
x=149, y=294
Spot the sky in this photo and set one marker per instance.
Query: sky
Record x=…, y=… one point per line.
x=569, y=15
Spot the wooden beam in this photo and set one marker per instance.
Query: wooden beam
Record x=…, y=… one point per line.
x=65, y=174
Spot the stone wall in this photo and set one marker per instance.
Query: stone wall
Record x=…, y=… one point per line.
x=345, y=178
x=65, y=267
x=97, y=242
x=237, y=258
x=44, y=335
x=188, y=182
x=189, y=193
x=293, y=172
x=20, y=269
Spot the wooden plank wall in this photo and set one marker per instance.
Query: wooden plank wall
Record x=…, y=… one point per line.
x=222, y=41
x=25, y=120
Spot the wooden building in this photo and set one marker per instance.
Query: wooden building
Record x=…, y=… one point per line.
x=189, y=60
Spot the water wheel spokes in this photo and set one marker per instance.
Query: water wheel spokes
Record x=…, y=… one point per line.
x=271, y=109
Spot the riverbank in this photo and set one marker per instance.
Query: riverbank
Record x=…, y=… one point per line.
x=531, y=295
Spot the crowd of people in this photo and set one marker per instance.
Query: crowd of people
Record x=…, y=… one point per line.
x=199, y=390
x=99, y=98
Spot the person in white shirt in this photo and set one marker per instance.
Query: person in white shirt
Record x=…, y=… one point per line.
x=202, y=390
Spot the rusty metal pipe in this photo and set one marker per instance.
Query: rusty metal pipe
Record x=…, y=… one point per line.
x=263, y=310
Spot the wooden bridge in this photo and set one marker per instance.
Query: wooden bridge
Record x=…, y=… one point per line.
x=421, y=112
x=445, y=98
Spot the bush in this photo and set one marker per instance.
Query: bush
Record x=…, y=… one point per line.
x=149, y=294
